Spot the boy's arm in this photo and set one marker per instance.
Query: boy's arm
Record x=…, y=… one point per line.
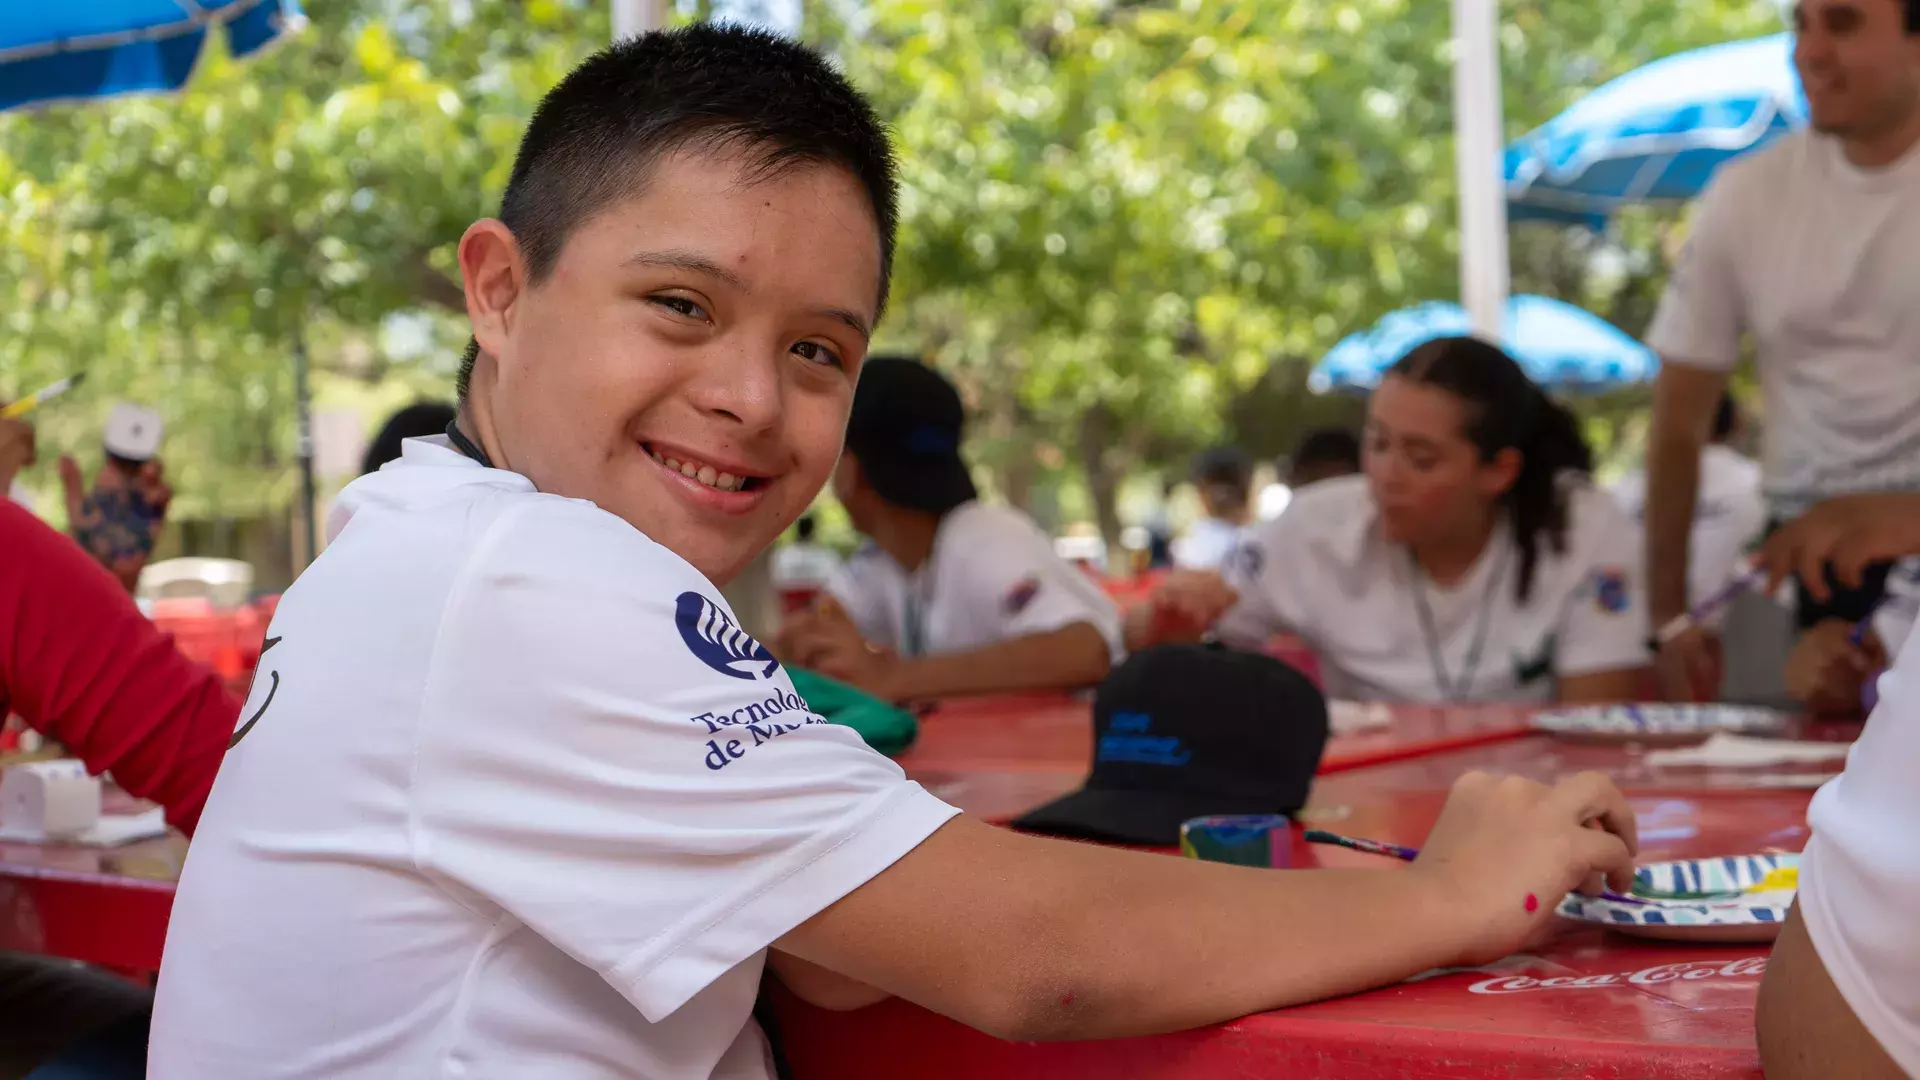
x=825, y=640
x=1028, y=938
x=1065, y=659
x=1806, y=1027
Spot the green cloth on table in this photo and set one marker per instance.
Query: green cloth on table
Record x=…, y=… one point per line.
x=887, y=728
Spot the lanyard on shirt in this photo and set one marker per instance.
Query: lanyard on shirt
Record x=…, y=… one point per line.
x=913, y=623
x=1442, y=681
x=465, y=445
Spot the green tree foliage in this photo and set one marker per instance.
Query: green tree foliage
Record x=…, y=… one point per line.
x=1134, y=224
x=1129, y=225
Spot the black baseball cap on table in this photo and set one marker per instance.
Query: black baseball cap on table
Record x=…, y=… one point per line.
x=905, y=431
x=1186, y=731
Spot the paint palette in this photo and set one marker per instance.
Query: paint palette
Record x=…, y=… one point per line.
x=1735, y=898
x=1657, y=724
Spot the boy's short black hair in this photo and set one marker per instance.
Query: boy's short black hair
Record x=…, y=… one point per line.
x=418, y=420
x=1328, y=446
x=714, y=87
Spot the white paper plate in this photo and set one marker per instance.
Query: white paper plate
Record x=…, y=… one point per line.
x=1656, y=723
x=1749, y=918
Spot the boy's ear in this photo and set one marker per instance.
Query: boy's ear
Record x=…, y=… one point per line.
x=493, y=275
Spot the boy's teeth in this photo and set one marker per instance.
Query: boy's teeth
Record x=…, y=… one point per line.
x=706, y=474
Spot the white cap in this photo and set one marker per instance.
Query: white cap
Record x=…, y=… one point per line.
x=133, y=432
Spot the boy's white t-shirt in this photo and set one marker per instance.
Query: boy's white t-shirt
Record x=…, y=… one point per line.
x=1323, y=571
x=1206, y=544
x=1813, y=256
x=511, y=798
x=992, y=576
x=1860, y=874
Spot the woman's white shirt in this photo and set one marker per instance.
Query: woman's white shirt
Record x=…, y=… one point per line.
x=1323, y=571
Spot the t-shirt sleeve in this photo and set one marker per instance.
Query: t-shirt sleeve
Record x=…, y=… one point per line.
x=1264, y=569
x=1025, y=589
x=1605, y=626
x=863, y=601
x=607, y=757
x=1861, y=870
x=1701, y=313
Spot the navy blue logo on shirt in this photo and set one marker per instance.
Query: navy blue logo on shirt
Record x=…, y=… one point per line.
x=1610, y=590
x=716, y=642
x=1244, y=562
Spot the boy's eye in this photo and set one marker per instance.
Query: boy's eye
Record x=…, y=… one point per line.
x=817, y=353
x=679, y=305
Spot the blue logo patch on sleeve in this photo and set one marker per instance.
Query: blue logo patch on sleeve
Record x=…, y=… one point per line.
x=1610, y=590
x=1244, y=563
x=716, y=642
x=1021, y=595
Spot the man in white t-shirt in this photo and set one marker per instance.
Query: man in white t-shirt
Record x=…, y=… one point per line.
x=1729, y=515
x=1842, y=993
x=1808, y=246
x=950, y=595
x=513, y=796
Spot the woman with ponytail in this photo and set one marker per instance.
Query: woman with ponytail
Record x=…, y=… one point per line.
x=1472, y=561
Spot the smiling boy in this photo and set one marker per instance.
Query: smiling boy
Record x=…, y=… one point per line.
x=513, y=796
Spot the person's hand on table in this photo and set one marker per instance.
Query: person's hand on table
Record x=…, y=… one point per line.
x=1181, y=609
x=1687, y=666
x=1848, y=534
x=1826, y=670
x=1506, y=849
x=824, y=639
x=119, y=519
x=17, y=450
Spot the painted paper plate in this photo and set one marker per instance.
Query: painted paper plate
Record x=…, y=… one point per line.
x=1656, y=724
x=1747, y=917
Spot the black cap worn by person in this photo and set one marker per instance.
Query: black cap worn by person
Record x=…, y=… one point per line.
x=1186, y=731
x=905, y=432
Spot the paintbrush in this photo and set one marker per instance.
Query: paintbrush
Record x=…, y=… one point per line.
x=1407, y=854
x=40, y=397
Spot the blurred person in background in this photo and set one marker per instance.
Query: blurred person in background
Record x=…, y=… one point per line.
x=1841, y=996
x=416, y=421
x=802, y=567
x=1472, y=561
x=1808, y=246
x=1323, y=454
x=1224, y=479
x=83, y=667
x=1833, y=667
x=1729, y=515
x=950, y=595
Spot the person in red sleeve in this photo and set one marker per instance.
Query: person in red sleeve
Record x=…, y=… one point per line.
x=81, y=665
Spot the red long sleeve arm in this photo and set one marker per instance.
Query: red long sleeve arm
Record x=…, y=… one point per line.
x=83, y=666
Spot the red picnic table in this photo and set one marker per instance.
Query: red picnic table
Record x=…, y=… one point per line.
x=1588, y=1003
x=998, y=757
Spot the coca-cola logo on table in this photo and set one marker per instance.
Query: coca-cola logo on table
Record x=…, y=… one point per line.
x=1688, y=971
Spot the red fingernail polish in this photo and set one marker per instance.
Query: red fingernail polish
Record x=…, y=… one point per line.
x=1533, y=903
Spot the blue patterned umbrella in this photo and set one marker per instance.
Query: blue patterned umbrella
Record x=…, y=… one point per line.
x=1560, y=346
x=93, y=48
x=1657, y=133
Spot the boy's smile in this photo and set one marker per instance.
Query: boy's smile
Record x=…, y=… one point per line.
x=689, y=363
